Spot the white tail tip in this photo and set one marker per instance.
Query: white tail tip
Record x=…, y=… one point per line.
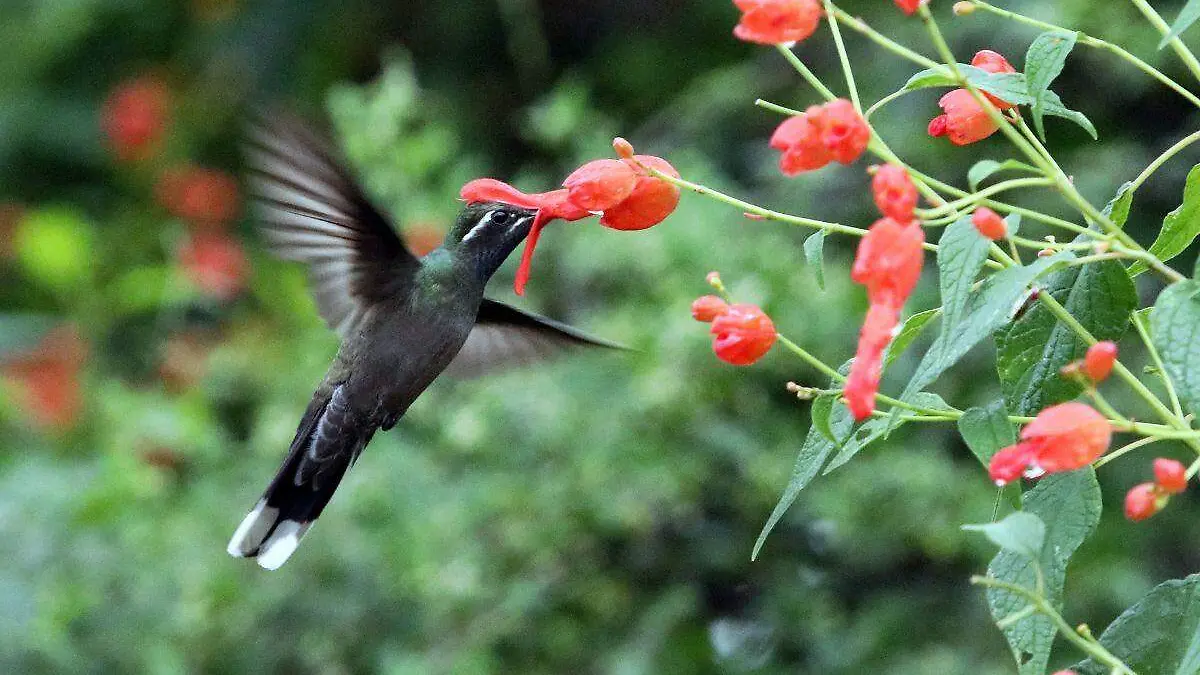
x=281, y=544
x=254, y=528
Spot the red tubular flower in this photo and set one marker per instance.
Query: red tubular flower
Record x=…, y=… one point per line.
x=1170, y=475
x=894, y=192
x=964, y=121
x=204, y=197
x=771, y=22
x=889, y=261
x=600, y=184
x=863, y=382
x=134, y=117
x=708, y=307
x=742, y=334
x=216, y=263
x=1064, y=437
x=993, y=62
x=1098, y=362
x=824, y=133
x=47, y=379
x=651, y=200
x=909, y=6
x=1143, y=500
x=989, y=223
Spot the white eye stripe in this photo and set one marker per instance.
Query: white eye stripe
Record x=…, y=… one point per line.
x=487, y=221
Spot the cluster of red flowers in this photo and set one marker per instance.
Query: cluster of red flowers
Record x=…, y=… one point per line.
x=624, y=192
x=742, y=333
x=888, y=263
x=1146, y=499
x=1063, y=437
x=47, y=379
x=136, y=120
x=964, y=120
x=825, y=133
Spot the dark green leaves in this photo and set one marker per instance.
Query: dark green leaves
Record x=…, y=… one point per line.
x=910, y=331
x=1187, y=17
x=985, y=168
x=986, y=430
x=814, y=253
x=1159, y=634
x=1021, y=532
x=1180, y=227
x=1175, y=328
x=1030, y=352
x=1069, y=506
x=961, y=253
x=1043, y=62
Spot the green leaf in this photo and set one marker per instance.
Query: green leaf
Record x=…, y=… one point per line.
x=1021, y=532
x=985, y=168
x=961, y=253
x=1030, y=352
x=1001, y=295
x=1180, y=227
x=55, y=247
x=1117, y=209
x=814, y=253
x=1187, y=17
x=1175, y=329
x=1043, y=62
x=986, y=430
x=1159, y=634
x=1013, y=222
x=910, y=331
x=813, y=453
x=878, y=427
x=1069, y=505
x=822, y=409
x=1053, y=105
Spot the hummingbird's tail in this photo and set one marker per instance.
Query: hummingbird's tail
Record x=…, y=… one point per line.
x=324, y=449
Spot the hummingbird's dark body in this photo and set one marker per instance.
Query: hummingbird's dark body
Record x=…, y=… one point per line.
x=403, y=321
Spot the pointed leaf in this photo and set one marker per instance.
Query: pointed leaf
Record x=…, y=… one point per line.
x=1117, y=209
x=1180, y=227
x=961, y=253
x=986, y=168
x=1043, y=62
x=986, y=430
x=1069, y=505
x=1053, y=105
x=1021, y=532
x=814, y=253
x=1030, y=351
x=1013, y=222
x=910, y=331
x=1187, y=17
x=822, y=409
x=1158, y=634
x=1175, y=329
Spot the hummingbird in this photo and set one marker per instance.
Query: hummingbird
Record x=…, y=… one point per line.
x=403, y=321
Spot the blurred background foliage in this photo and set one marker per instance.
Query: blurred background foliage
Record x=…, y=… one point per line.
x=595, y=514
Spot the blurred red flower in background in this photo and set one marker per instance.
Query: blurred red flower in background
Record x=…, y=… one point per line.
x=215, y=262
x=135, y=116
x=894, y=192
x=206, y=198
x=47, y=379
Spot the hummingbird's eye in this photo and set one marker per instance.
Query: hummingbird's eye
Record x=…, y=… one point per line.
x=500, y=217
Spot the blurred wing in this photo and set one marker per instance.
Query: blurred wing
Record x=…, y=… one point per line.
x=505, y=336
x=311, y=210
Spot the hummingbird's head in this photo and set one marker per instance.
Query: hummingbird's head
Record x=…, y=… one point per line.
x=486, y=232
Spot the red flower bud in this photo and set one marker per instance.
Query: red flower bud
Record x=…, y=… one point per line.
x=650, y=202
x=909, y=6
x=777, y=21
x=992, y=62
x=600, y=184
x=742, y=334
x=708, y=307
x=1170, y=475
x=824, y=133
x=964, y=121
x=134, y=117
x=203, y=197
x=215, y=262
x=623, y=148
x=1064, y=437
x=989, y=223
x=889, y=261
x=1098, y=362
x=894, y=192
x=1142, y=501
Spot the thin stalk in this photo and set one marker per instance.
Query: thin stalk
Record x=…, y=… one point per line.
x=1163, y=159
x=847, y=71
x=807, y=74
x=1144, y=334
x=1125, y=449
x=880, y=39
x=1180, y=49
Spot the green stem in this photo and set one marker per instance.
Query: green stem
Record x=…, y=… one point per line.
x=1125, y=449
x=884, y=101
x=1097, y=43
x=1144, y=334
x=807, y=74
x=1003, y=186
x=1090, y=647
x=880, y=39
x=847, y=71
x=1180, y=49
x=811, y=360
x=1162, y=159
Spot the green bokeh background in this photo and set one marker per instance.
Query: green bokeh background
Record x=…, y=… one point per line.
x=593, y=515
